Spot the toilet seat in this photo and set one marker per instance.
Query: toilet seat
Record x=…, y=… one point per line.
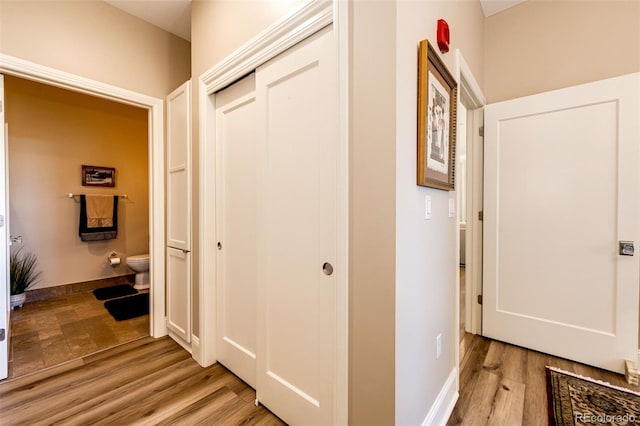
x=138, y=258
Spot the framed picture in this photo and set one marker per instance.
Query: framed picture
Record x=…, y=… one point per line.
x=437, y=106
x=98, y=176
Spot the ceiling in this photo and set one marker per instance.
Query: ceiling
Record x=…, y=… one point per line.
x=491, y=7
x=175, y=15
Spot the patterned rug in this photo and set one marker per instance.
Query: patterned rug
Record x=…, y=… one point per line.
x=577, y=400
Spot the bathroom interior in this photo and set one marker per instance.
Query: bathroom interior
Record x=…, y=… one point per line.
x=52, y=133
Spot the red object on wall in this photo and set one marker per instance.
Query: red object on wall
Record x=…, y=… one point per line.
x=443, y=35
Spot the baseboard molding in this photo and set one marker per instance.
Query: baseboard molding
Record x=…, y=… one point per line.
x=196, y=353
x=46, y=293
x=445, y=402
x=631, y=372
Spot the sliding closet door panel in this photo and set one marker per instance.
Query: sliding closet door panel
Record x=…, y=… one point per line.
x=236, y=193
x=297, y=99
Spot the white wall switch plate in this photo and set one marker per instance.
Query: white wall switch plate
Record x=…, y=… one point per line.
x=427, y=207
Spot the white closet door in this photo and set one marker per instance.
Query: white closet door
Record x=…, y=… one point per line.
x=297, y=103
x=236, y=135
x=179, y=213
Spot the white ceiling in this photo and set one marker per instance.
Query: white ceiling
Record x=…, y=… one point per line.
x=175, y=15
x=170, y=15
x=491, y=7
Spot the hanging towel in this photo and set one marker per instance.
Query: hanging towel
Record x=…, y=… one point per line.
x=99, y=211
x=98, y=217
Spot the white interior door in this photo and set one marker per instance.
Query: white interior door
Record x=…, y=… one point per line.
x=236, y=223
x=297, y=101
x=4, y=242
x=475, y=180
x=179, y=213
x=562, y=188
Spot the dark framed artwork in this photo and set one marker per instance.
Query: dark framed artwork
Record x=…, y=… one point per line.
x=437, y=108
x=98, y=176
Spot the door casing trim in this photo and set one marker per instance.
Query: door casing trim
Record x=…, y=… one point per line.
x=32, y=71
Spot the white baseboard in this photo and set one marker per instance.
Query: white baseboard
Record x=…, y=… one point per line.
x=445, y=402
x=195, y=350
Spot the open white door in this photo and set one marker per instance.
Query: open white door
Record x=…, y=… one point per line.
x=562, y=189
x=4, y=242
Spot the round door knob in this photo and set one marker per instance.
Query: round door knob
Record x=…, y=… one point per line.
x=219, y=245
x=327, y=268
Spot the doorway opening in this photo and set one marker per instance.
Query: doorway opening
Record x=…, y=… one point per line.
x=469, y=182
x=156, y=194
x=52, y=132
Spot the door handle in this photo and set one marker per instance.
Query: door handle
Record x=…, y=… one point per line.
x=327, y=268
x=626, y=248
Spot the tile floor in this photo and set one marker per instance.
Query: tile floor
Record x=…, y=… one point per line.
x=50, y=332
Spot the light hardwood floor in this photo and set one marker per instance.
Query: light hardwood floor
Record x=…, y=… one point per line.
x=505, y=385
x=154, y=381
x=148, y=381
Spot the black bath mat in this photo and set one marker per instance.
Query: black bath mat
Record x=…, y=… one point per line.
x=114, y=291
x=128, y=307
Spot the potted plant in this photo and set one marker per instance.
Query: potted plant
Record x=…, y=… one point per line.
x=23, y=274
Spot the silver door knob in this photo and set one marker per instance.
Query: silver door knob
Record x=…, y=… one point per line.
x=327, y=268
x=626, y=248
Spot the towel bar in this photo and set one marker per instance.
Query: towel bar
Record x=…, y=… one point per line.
x=72, y=195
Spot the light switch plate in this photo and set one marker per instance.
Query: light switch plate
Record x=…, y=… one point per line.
x=452, y=207
x=427, y=207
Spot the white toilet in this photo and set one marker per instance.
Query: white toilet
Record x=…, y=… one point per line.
x=140, y=265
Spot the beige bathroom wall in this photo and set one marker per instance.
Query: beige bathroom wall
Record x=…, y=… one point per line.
x=95, y=40
x=541, y=45
x=52, y=133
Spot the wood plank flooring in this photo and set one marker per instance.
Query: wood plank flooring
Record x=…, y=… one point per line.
x=154, y=381
x=505, y=385
x=48, y=332
x=148, y=381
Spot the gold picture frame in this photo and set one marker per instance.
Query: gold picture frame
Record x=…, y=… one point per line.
x=437, y=121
